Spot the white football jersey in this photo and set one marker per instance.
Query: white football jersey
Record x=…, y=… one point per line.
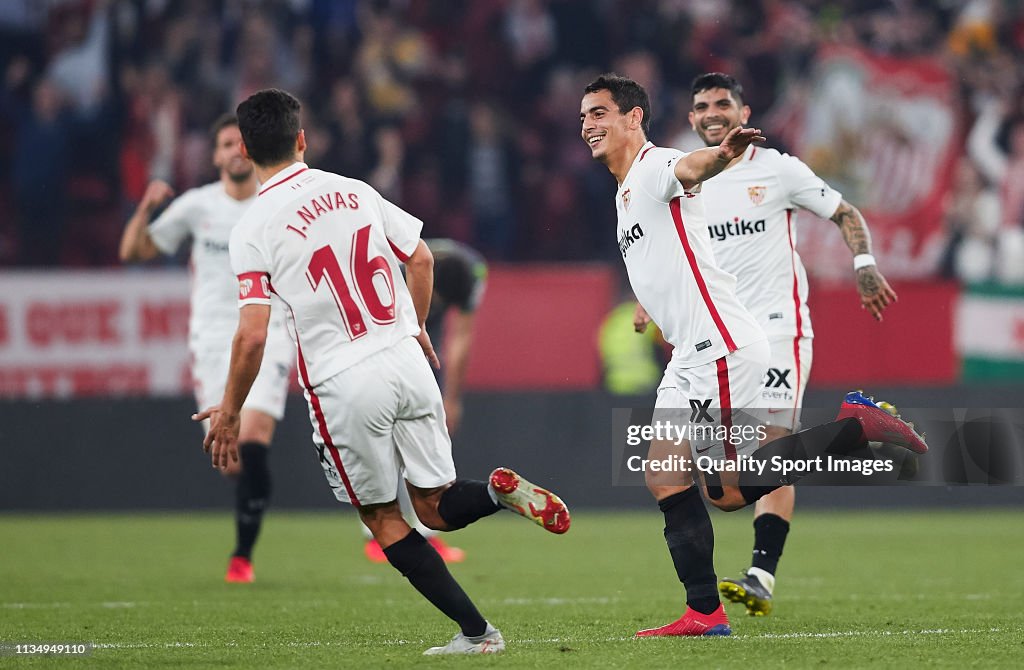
x=207, y=214
x=751, y=213
x=329, y=247
x=663, y=239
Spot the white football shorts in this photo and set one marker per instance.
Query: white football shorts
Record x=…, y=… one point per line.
x=785, y=381
x=270, y=389
x=378, y=421
x=717, y=402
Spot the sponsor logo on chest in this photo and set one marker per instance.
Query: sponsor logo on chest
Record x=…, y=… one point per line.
x=214, y=246
x=628, y=237
x=735, y=228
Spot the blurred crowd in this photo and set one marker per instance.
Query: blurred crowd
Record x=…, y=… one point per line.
x=464, y=112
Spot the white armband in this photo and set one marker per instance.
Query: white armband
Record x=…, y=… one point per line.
x=863, y=261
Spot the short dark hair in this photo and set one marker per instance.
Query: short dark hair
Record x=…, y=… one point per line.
x=710, y=80
x=269, y=122
x=223, y=121
x=626, y=93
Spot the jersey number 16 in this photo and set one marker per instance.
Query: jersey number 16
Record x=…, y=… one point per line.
x=324, y=266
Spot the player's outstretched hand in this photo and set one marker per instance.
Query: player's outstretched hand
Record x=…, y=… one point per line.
x=640, y=319
x=221, y=441
x=875, y=292
x=428, y=349
x=737, y=141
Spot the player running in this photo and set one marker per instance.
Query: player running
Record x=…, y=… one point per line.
x=208, y=214
x=330, y=247
x=751, y=209
x=720, y=352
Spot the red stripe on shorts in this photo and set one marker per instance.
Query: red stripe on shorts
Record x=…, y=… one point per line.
x=725, y=403
x=321, y=421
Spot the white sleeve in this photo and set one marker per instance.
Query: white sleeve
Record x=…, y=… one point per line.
x=665, y=185
x=806, y=189
x=401, y=228
x=250, y=267
x=175, y=224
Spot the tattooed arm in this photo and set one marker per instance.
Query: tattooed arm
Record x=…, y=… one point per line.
x=875, y=292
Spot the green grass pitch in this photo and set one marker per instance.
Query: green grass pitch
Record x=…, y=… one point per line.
x=876, y=589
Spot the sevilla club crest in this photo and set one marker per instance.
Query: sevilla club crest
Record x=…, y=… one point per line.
x=625, y=199
x=757, y=194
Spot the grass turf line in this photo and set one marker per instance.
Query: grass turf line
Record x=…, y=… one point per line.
x=877, y=589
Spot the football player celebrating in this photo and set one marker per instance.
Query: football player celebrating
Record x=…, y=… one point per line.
x=330, y=247
x=751, y=208
x=207, y=215
x=720, y=352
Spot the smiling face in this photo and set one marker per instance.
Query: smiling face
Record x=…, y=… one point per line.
x=605, y=129
x=715, y=112
x=227, y=154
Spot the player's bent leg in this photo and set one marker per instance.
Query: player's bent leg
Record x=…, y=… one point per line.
x=779, y=502
x=454, y=505
x=409, y=511
x=385, y=521
x=450, y=554
x=410, y=554
x=722, y=490
x=881, y=422
x=727, y=498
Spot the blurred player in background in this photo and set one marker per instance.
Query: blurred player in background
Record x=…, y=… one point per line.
x=751, y=207
x=460, y=276
x=720, y=352
x=208, y=214
x=330, y=247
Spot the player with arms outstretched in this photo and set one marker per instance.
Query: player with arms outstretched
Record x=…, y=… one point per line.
x=330, y=248
x=720, y=353
x=208, y=214
x=751, y=210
